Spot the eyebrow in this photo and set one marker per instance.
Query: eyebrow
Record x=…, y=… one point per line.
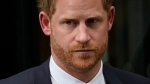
x=63, y=18
x=98, y=17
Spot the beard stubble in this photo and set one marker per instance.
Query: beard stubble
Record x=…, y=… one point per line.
x=79, y=62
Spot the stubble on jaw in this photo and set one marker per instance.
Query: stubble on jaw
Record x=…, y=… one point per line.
x=80, y=63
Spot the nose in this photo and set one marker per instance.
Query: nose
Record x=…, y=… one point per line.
x=83, y=35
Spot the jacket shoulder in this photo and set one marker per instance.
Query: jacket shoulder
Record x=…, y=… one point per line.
x=25, y=77
x=36, y=75
x=127, y=77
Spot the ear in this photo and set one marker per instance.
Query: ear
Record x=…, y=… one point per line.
x=45, y=23
x=111, y=15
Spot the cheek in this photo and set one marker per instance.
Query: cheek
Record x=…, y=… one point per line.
x=61, y=39
x=100, y=37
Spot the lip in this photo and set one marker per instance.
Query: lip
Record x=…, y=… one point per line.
x=83, y=51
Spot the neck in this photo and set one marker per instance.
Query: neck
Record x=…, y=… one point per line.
x=84, y=76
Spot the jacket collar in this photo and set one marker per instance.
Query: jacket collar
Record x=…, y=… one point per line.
x=42, y=75
x=110, y=76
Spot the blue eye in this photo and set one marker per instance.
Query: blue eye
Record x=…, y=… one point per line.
x=69, y=22
x=92, y=21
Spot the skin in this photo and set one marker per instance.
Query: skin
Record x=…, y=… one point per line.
x=78, y=32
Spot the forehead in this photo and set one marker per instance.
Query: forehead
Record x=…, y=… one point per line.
x=78, y=9
x=78, y=4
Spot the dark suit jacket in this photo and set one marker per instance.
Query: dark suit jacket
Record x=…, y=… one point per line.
x=41, y=75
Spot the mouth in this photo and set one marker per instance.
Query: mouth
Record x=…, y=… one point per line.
x=84, y=51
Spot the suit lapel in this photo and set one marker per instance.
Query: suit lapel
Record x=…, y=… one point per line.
x=42, y=74
x=110, y=76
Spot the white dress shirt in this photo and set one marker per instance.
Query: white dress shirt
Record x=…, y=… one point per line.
x=59, y=76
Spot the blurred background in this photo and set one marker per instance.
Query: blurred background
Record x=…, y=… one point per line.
x=23, y=44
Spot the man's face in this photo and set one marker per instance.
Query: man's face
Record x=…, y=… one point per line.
x=79, y=33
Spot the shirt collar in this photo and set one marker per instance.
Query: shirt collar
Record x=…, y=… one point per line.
x=59, y=76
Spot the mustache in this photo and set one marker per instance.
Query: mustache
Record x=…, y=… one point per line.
x=82, y=47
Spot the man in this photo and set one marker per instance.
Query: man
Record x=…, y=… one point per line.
x=78, y=31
